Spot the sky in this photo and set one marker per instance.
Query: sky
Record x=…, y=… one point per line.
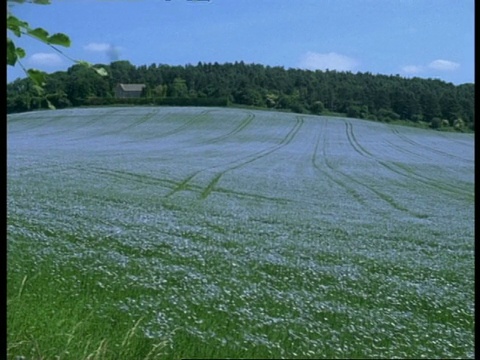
x=411, y=38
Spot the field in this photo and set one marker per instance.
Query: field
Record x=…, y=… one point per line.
x=208, y=232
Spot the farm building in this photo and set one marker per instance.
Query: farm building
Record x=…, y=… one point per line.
x=129, y=90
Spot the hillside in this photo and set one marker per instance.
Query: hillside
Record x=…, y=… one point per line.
x=237, y=233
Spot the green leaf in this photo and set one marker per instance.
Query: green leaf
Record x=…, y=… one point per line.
x=59, y=39
x=15, y=30
x=84, y=63
x=50, y=105
x=37, y=76
x=40, y=90
x=14, y=21
x=101, y=71
x=15, y=25
x=39, y=33
x=11, y=53
x=20, y=52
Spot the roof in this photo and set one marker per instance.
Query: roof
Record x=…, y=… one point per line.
x=132, y=87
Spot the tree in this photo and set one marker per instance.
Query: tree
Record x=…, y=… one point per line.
x=377, y=97
x=430, y=106
x=436, y=123
x=449, y=107
x=179, y=88
x=18, y=27
x=317, y=108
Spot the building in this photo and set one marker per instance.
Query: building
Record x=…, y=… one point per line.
x=129, y=90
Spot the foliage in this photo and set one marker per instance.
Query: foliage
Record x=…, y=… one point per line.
x=363, y=95
x=169, y=101
x=18, y=27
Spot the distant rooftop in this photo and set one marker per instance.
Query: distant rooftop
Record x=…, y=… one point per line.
x=132, y=87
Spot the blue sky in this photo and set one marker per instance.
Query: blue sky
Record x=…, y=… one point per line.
x=424, y=38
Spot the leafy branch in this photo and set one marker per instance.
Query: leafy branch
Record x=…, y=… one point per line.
x=14, y=54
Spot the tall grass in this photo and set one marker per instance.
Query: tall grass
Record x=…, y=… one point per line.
x=48, y=317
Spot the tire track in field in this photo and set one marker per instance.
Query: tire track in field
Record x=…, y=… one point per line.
x=403, y=150
x=165, y=183
x=464, y=142
x=417, y=144
x=37, y=123
x=135, y=122
x=253, y=196
x=351, y=190
x=365, y=153
x=129, y=176
x=287, y=140
x=245, y=122
x=403, y=170
x=431, y=182
x=327, y=167
x=174, y=131
x=93, y=120
x=240, y=162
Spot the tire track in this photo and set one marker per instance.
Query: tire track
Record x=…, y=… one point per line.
x=416, y=144
x=82, y=125
x=465, y=142
x=389, y=200
x=129, y=176
x=37, y=123
x=165, y=183
x=405, y=151
x=351, y=139
x=254, y=196
x=327, y=167
x=240, y=162
x=404, y=171
x=287, y=140
x=176, y=130
x=247, y=121
x=137, y=122
x=365, y=153
x=184, y=184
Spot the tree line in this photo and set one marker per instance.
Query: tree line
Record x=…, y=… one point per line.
x=362, y=95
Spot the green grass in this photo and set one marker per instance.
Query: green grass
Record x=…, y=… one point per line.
x=54, y=312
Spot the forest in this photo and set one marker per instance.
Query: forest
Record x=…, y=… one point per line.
x=429, y=102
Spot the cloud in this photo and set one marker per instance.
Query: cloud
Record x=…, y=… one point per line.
x=111, y=51
x=331, y=61
x=443, y=65
x=439, y=65
x=97, y=47
x=45, y=59
x=412, y=69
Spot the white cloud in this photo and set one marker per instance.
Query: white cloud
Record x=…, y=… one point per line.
x=97, y=47
x=331, y=61
x=443, y=65
x=45, y=59
x=111, y=51
x=412, y=69
x=440, y=65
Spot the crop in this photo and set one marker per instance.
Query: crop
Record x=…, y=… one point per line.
x=208, y=232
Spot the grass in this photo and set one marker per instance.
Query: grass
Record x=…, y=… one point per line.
x=64, y=322
x=235, y=233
